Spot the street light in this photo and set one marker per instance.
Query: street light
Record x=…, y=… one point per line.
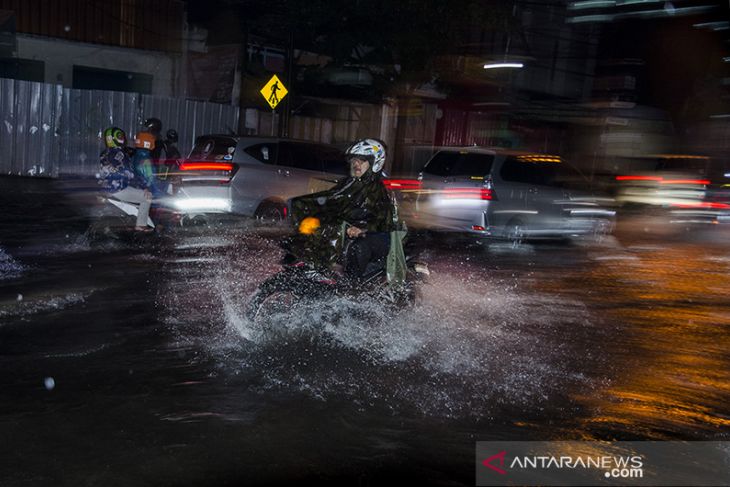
x=503, y=65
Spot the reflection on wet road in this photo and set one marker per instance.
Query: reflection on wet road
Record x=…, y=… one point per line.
x=672, y=305
x=133, y=364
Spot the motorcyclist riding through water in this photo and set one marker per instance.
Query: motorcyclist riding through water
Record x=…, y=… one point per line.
x=362, y=204
x=349, y=241
x=119, y=179
x=154, y=126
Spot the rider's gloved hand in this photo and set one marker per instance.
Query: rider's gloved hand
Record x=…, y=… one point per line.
x=354, y=232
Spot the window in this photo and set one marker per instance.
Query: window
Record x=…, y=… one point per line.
x=333, y=160
x=22, y=69
x=684, y=165
x=299, y=155
x=472, y=165
x=515, y=170
x=439, y=164
x=567, y=176
x=265, y=153
x=558, y=174
x=449, y=163
x=86, y=78
x=213, y=149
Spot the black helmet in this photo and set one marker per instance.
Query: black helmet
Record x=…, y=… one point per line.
x=172, y=135
x=153, y=125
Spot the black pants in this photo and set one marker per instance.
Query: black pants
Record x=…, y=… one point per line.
x=363, y=250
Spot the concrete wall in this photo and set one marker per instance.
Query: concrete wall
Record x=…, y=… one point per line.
x=60, y=56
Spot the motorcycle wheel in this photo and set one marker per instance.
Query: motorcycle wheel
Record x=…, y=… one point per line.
x=267, y=303
x=108, y=228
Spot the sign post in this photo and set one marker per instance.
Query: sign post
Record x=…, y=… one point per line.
x=273, y=92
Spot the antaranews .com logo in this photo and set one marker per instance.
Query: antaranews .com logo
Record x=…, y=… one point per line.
x=567, y=463
x=611, y=466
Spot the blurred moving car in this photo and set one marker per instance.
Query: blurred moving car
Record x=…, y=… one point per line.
x=663, y=180
x=685, y=188
x=508, y=194
x=251, y=176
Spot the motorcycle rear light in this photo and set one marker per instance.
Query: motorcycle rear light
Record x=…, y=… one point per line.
x=402, y=184
x=469, y=193
x=206, y=166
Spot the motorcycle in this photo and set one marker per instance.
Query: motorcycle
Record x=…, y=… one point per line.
x=113, y=219
x=301, y=282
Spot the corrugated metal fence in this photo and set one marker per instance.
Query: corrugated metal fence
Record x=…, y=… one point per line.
x=30, y=117
x=48, y=130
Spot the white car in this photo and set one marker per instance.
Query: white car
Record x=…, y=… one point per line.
x=251, y=176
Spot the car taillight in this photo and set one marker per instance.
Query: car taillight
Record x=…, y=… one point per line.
x=638, y=178
x=402, y=184
x=703, y=204
x=686, y=181
x=207, y=170
x=661, y=180
x=206, y=166
x=469, y=193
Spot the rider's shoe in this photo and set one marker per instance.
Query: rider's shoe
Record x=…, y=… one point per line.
x=318, y=276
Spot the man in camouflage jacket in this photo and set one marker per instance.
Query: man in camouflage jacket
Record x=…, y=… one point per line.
x=362, y=203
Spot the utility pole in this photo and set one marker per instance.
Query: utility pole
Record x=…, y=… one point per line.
x=243, y=66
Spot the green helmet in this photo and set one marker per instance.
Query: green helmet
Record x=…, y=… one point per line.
x=115, y=138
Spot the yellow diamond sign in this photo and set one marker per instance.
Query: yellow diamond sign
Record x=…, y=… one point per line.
x=274, y=91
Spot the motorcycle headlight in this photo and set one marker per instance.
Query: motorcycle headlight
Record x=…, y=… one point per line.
x=309, y=225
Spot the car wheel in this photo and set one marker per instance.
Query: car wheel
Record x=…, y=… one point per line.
x=602, y=230
x=515, y=233
x=270, y=213
x=193, y=220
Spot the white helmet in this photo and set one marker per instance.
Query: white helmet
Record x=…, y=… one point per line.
x=373, y=150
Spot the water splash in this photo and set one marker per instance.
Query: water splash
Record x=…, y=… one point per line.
x=9, y=267
x=472, y=344
x=35, y=305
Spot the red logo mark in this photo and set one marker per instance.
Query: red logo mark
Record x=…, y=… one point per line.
x=488, y=462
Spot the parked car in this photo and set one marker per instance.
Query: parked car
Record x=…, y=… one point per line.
x=508, y=194
x=251, y=176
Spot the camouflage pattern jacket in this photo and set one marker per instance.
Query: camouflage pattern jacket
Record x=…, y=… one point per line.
x=363, y=202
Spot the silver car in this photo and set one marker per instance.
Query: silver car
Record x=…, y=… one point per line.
x=507, y=194
x=251, y=176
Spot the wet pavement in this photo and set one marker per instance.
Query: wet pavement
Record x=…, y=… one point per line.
x=132, y=362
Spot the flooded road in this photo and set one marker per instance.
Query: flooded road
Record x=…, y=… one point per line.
x=133, y=363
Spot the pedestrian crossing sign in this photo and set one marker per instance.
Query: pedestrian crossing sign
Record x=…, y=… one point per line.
x=274, y=91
